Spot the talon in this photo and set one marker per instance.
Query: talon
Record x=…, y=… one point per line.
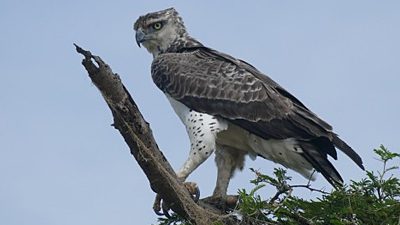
x=193, y=190
x=196, y=195
x=161, y=208
x=165, y=209
x=159, y=213
x=157, y=205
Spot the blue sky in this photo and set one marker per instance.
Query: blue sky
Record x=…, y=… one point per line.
x=62, y=163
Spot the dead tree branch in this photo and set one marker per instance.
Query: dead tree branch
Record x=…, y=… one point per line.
x=137, y=134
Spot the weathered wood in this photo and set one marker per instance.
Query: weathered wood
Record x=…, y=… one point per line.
x=138, y=135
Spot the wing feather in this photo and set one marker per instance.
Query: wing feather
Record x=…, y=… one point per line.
x=215, y=83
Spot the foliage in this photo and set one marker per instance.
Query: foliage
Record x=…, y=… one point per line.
x=374, y=200
x=173, y=219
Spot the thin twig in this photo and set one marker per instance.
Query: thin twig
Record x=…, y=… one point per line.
x=309, y=188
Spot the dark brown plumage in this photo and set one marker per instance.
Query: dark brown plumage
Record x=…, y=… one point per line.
x=216, y=84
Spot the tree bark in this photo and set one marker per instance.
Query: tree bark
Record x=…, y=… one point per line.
x=137, y=134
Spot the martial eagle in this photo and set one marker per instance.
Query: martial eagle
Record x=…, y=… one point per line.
x=231, y=108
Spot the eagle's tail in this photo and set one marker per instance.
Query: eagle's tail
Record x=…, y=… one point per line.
x=316, y=155
x=340, y=144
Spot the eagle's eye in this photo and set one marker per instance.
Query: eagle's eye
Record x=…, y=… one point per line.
x=157, y=25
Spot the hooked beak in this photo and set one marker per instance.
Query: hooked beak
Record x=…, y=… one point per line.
x=140, y=37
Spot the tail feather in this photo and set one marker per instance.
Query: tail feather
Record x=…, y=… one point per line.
x=318, y=159
x=340, y=144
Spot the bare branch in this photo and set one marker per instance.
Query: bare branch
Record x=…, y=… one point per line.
x=308, y=186
x=138, y=135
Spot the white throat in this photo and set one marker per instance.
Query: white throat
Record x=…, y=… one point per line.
x=162, y=42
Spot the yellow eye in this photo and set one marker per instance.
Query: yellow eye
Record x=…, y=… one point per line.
x=157, y=25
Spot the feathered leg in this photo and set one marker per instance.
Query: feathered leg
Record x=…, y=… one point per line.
x=227, y=160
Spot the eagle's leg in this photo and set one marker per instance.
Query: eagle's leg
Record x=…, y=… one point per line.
x=228, y=160
x=195, y=158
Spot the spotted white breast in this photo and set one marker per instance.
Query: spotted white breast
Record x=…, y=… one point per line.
x=206, y=132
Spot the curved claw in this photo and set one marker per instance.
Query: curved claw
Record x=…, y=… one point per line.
x=193, y=190
x=196, y=195
x=165, y=209
x=161, y=208
x=158, y=212
x=157, y=206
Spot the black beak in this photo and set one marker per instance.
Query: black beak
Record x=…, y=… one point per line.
x=140, y=37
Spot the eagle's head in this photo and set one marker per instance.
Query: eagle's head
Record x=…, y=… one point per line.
x=158, y=31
